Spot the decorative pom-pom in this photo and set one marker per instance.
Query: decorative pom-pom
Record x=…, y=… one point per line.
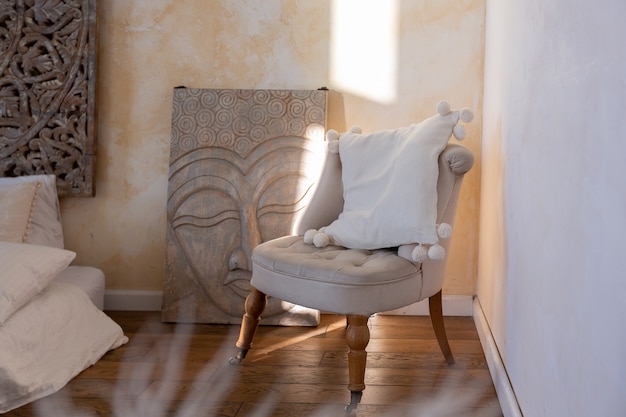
x=443, y=108
x=332, y=135
x=467, y=115
x=356, y=129
x=419, y=253
x=333, y=147
x=321, y=240
x=308, y=236
x=459, y=132
x=444, y=231
x=436, y=253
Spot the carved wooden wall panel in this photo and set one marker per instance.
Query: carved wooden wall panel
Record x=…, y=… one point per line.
x=242, y=163
x=47, y=91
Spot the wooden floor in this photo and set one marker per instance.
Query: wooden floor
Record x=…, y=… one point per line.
x=170, y=370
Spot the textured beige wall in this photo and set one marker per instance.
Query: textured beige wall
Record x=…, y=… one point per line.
x=147, y=47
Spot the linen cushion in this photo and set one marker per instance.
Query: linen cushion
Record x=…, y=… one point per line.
x=46, y=227
x=49, y=341
x=26, y=270
x=16, y=207
x=390, y=185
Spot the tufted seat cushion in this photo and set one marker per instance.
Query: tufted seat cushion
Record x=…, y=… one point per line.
x=335, y=279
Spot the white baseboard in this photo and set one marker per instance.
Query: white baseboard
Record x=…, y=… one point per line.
x=453, y=305
x=132, y=300
x=504, y=389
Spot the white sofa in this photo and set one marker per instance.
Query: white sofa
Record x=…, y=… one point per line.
x=52, y=325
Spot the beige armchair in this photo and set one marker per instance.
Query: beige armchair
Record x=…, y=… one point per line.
x=352, y=282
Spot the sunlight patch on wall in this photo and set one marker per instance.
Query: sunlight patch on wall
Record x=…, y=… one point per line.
x=364, y=47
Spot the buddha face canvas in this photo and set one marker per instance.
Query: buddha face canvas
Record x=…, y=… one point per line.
x=227, y=196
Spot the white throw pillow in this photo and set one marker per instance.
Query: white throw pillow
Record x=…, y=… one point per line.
x=16, y=207
x=26, y=270
x=390, y=184
x=46, y=228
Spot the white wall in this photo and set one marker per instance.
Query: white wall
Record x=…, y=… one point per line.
x=146, y=47
x=552, y=261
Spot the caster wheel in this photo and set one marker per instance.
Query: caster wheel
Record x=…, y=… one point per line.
x=355, y=399
x=236, y=360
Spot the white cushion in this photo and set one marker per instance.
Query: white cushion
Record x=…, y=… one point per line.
x=390, y=185
x=48, y=342
x=26, y=270
x=45, y=228
x=16, y=207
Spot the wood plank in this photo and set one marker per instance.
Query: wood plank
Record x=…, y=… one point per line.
x=452, y=397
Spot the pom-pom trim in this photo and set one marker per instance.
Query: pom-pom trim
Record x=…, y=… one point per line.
x=436, y=253
x=309, y=235
x=419, y=254
x=321, y=240
x=444, y=231
x=466, y=115
x=333, y=147
x=332, y=135
x=459, y=132
x=443, y=108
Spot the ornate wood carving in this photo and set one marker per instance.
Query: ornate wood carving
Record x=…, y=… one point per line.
x=47, y=91
x=239, y=172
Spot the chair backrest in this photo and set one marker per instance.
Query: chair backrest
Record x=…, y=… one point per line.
x=327, y=202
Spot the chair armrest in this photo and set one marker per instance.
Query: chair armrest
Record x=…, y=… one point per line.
x=454, y=162
x=457, y=158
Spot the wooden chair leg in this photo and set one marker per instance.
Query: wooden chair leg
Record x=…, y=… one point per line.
x=436, y=317
x=357, y=337
x=255, y=305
